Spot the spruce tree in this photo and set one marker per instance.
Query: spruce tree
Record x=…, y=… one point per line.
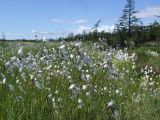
x=128, y=20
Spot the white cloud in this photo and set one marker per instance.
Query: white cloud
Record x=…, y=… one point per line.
x=149, y=12
x=106, y=28
x=81, y=29
x=48, y=33
x=15, y=34
x=80, y=21
x=78, y=30
x=55, y=20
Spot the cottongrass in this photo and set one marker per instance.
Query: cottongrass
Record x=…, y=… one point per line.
x=72, y=80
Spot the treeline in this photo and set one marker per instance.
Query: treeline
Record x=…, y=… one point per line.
x=128, y=31
x=141, y=34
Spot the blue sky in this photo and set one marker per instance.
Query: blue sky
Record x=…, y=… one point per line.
x=53, y=18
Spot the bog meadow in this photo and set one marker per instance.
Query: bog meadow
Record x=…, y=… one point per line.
x=89, y=76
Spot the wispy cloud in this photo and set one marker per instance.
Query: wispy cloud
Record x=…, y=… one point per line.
x=55, y=34
x=149, y=12
x=56, y=20
x=48, y=33
x=101, y=28
x=80, y=21
x=106, y=28
x=78, y=30
x=15, y=34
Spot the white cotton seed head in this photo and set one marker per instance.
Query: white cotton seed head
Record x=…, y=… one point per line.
x=20, y=51
x=87, y=94
x=62, y=47
x=133, y=66
x=72, y=86
x=78, y=44
x=20, y=70
x=32, y=77
x=56, y=92
x=88, y=76
x=71, y=56
x=4, y=81
x=50, y=95
x=84, y=87
x=14, y=58
x=53, y=99
x=79, y=101
x=7, y=64
x=69, y=77
x=111, y=103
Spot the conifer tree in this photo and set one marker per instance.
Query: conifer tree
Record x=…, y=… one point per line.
x=128, y=20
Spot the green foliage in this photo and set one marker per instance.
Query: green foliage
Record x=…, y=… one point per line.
x=145, y=58
x=30, y=103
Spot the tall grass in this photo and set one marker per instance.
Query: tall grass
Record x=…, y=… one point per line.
x=72, y=80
